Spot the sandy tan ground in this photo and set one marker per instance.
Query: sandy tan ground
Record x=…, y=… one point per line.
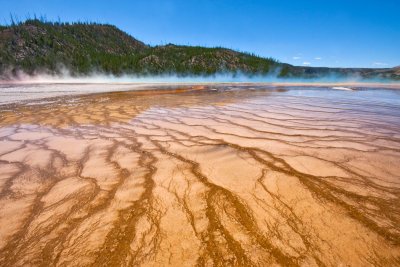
x=201, y=176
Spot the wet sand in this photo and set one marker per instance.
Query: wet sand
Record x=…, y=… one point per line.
x=208, y=175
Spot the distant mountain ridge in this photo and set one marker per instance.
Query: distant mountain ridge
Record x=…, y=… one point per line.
x=35, y=46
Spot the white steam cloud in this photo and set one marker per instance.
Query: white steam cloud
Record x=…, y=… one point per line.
x=22, y=87
x=64, y=76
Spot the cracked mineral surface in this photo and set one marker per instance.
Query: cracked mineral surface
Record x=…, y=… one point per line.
x=210, y=175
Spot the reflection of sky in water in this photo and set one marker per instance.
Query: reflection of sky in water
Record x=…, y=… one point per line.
x=16, y=93
x=385, y=96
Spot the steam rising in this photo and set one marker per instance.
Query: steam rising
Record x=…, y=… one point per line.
x=64, y=76
x=23, y=87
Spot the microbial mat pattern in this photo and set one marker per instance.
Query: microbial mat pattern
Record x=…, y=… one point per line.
x=202, y=176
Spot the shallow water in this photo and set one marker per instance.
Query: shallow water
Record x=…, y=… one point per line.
x=25, y=92
x=202, y=175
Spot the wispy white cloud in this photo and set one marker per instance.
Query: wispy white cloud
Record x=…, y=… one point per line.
x=318, y=58
x=380, y=64
x=296, y=58
x=306, y=63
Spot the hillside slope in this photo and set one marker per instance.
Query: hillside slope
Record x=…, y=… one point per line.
x=34, y=46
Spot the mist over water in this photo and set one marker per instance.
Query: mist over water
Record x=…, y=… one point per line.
x=65, y=76
x=24, y=87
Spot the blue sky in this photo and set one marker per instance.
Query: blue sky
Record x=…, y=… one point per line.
x=351, y=33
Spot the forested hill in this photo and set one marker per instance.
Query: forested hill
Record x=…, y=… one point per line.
x=35, y=46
